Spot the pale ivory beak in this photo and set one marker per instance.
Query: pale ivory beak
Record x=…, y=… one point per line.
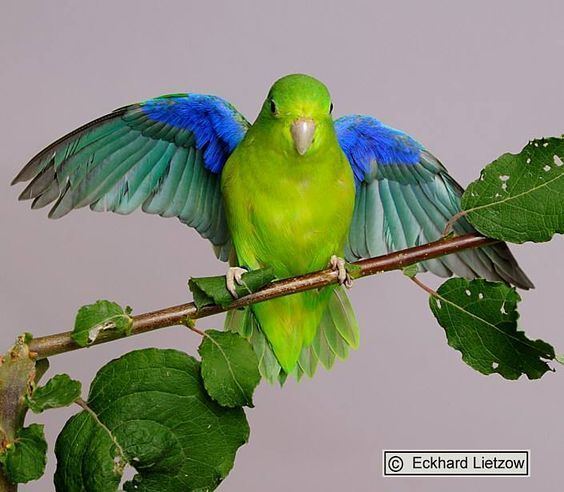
x=302, y=131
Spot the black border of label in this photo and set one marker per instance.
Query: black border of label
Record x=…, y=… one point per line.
x=385, y=453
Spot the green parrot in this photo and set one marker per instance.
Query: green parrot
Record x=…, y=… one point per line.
x=296, y=191
x=289, y=198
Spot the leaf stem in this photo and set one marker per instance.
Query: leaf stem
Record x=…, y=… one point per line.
x=59, y=343
x=453, y=220
x=426, y=288
x=191, y=325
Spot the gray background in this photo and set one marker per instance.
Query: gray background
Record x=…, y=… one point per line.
x=471, y=81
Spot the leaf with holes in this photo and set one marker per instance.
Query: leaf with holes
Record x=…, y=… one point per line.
x=480, y=320
x=96, y=319
x=24, y=459
x=149, y=410
x=229, y=368
x=59, y=391
x=520, y=197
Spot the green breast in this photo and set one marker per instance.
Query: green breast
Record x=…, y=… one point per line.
x=289, y=212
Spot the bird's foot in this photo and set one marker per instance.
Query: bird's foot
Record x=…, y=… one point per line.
x=233, y=278
x=339, y=265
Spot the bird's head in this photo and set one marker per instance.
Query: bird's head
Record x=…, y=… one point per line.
x=298, y=109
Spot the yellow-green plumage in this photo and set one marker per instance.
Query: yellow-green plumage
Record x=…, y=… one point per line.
x=289, y=211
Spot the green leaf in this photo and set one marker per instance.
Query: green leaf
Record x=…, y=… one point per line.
x=208, y=291
x=60, y=391
x=411, y=270
x=245, y=324
x=25, y=459
x=229, y=368
x=149, y=409
x=102, y=316
x=480, y=320
x=520, y=197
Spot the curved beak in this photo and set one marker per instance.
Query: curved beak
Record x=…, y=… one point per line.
x=302, y=131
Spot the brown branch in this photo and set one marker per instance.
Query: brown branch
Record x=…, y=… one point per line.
x=179, y=315
x=18, y=371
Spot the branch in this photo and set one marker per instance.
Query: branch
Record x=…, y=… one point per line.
x=17, y=372
x=178, y=315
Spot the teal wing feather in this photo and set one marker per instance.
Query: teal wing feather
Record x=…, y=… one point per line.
x=164, y=155
x=405, y=197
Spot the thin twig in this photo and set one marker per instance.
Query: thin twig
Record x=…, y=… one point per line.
x=59, y=343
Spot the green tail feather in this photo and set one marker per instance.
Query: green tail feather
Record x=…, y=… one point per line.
x=337, y=333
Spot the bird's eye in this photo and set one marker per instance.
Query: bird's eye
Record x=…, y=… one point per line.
x=272, y=106
x=331, y=108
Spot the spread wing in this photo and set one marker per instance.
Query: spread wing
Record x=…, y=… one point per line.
x=164, y=155
x=405, y=197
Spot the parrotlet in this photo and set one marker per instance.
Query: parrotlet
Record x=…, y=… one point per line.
x=296, y=191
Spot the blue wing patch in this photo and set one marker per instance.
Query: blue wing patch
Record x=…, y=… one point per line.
x=365, y=141
x=216, y=125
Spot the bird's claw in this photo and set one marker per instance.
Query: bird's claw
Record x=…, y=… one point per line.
x=233, y=278
x=339, y=265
